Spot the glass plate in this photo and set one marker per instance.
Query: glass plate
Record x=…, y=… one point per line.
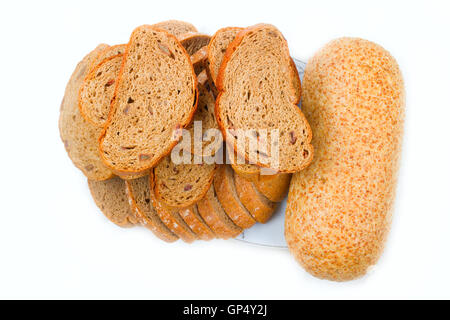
x=271, y=234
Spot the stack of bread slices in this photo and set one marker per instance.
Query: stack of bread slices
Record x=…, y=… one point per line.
x=123, y=113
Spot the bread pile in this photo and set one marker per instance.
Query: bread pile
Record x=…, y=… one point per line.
x=129, y=109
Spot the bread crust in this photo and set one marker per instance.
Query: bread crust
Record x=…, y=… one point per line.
x=339, y=209
x=229, y=199
x=274, y=187
x=219, y=83
x=195, y=221
x=142, y=172
x=260, y=207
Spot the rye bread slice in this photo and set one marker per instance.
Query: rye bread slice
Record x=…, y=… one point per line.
x=194, y=41
x=218, y=46
x=111, y=198
x=239, y=164
x=256, y=203
x=207, y=141
x=274, y=187
x=138, y=191
x=260, y=97
x=176, y=27
x=215, y=217
x=154, y=98
x=182, y=185
x=195, y=221
x=97, y=90
x=80, y=137
x=171, y=218
x=226, y=193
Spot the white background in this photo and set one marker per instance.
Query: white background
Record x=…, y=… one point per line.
x=54, y=242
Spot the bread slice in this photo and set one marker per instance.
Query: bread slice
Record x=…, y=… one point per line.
x=241, y=166
x=98, y=87
x=215, y=217
x=182, y=185
x=218, y=46
x=111, y=197
x=261, y=97
x=193, y=41
x=198, y=60
x=80, y=137
x=176, y=27
x=229, y=199
x=195, y=221
x=172, y=219
x=274, y=187
x=256, y=203
x=138, y=191
x=155, y=97
x=208, y=139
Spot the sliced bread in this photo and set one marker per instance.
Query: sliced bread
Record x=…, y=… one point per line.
x=98, y=88
x=176, y=27
x=198, y=60
x=155, y=97
x=226, y=193
x=111, y=197
x=80, y=137
x=241, y=166
x=256, y=203
x=193, y=41
x=195, y=221
x=274, y=187
x=207, y=141
x=182, y=185
x=215, y=217
x=172, y=219
x=138, y=191
x=262, y=100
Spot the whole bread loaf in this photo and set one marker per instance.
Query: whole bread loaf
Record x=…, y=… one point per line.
x=262, y=101
x=154, y=98
x=339, y=209
x=80, y=137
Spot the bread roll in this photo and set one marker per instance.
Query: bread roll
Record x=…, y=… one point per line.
x=339, y=208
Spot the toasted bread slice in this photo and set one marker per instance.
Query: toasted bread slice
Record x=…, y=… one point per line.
x=155, y=97
x=207, y=141
x=172, y=219
x=176, y=27
x=138, y=191
x=111, y=197
x=256, y=203
x=229, y=199
x=274, y=187
x=80, y=137
x=262, y=100
x=182, y=185
x=193, y=41
x=195, y=221
x=97, y=90
x=215, y=217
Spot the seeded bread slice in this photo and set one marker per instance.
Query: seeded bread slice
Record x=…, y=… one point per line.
x=111, y=197
x=229, y=199
x=193, y=41
x=182, y=185
x=176, y=27
x=256, y=203
x=207, y=141
x=261, y=97
x=138, y=191
x=155, y=97
x=97, y=90
x=215, y=217
x=274, y=187
x=171, y=218
x=80, y=138
x=195, y=221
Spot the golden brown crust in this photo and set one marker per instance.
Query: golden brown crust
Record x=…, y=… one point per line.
x=143, y=172
x=261, y=208
x=219, y=83
x=226, y=193
x=339, y=209
x=193, y=219
x=274, y=187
